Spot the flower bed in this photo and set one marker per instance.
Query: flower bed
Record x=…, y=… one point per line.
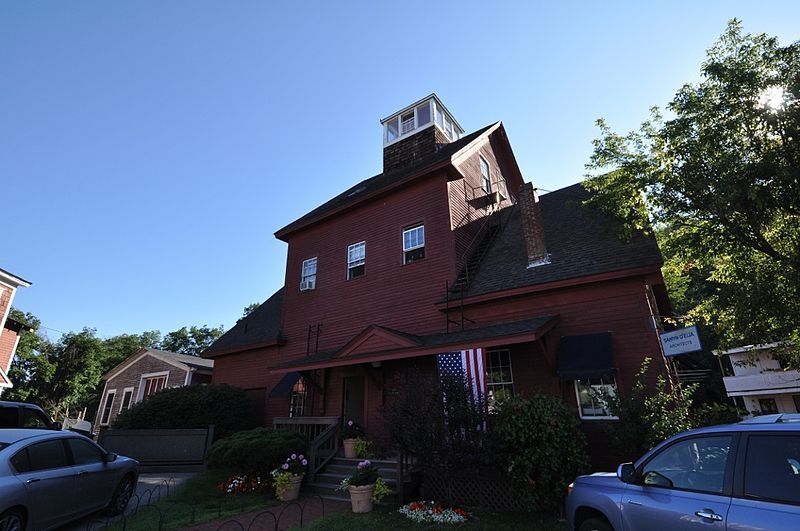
x=242, y=484
x=430, y=512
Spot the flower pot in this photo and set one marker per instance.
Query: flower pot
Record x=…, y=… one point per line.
x=293, y=492
x=361, y=497
x=349, y=446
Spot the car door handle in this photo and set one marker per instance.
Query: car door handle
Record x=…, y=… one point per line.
x=711, y=515
x=634, y=502
x=32, y=480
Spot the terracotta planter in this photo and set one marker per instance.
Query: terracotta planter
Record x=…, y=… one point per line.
x=361, y=497
x=293, y=492
x=349, y=446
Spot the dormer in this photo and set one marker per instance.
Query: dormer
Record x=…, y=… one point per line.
x=417, y=131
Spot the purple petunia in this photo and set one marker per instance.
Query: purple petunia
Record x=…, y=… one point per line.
x=294, y=456
x=286, y=466
x=300, y=456
x=349, y=422
x=305, y=462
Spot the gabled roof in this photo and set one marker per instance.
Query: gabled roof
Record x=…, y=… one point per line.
x=383, y=181
x=580, y=240
x=182, y=361
x=425, y=345
x=261, y=327
x=13, y=279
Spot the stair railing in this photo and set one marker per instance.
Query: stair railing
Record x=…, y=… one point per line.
x=322, y=449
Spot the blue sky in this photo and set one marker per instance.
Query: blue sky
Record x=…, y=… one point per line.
x=149, y=150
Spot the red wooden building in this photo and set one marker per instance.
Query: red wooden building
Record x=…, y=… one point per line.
x=447, y=250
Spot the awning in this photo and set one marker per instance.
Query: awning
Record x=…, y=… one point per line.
x=284, y=387
x=584, y=356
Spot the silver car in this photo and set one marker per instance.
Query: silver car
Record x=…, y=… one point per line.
x=49, y=478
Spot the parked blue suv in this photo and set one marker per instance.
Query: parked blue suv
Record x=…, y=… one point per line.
x=743, y=476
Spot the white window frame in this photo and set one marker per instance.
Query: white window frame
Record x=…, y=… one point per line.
x=414, y=247
x=578, y=399
x=416, y=125
x=308, y=281
x=486, y=180
x=149, y=375
x=502, y=384
x=352, y=264
x=112, y=393
x=122, y=402
x=298, y=398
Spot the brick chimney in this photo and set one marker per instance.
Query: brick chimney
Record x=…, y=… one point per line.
x=416, y=132
x=532, y=228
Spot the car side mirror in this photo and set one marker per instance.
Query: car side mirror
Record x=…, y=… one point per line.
x=57, y=426
x=626, y=473
x=656, y=479
x=111, y=457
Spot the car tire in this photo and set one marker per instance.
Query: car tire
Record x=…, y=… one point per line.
x=122, y=495
x=595, y=524
x=12, y=520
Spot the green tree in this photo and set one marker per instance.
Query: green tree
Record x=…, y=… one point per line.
x=250, y=308
x=192, y=340
x=32, y=368
x=720, y=182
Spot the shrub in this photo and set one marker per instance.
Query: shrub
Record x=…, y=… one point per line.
x=255, y=452
x=544, y=446
x=195, y=406
x=714, y=414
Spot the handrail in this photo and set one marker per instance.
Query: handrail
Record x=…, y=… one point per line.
x=322, y=449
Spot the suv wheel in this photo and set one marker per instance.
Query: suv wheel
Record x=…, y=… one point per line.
x=595, y=524
x=12, y=520
x=121, y=496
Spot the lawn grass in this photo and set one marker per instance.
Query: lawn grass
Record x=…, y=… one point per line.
x=387, y=517
x=195, y=502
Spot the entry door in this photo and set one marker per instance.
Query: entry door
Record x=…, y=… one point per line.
x=353, y=407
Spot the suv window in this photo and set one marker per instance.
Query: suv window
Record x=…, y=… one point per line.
x=772, y=468
x=9, y=418
x=32, y=418
x=692, y=464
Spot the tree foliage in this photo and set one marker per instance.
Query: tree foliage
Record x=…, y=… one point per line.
x=63, y=376
x=719, y=180
x=192, y=340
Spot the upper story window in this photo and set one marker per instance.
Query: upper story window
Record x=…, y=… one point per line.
x=418, y=116
x=356, y=258
x=591, y=392
x=413, y=244
x=308, y=274
x=152, y=383
x=486, y=176
x=297, y=399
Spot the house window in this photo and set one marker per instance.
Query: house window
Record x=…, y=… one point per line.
x=152, y=383
x=356, y=258
x=768, y=406
x=486, y=181
x=590, y=393
x=127, y=396
x=106, y=415
x=297, y=399
x=408, y=122
x=413, y=244
x=796, y=402
x=499, y=380
x=308, y=274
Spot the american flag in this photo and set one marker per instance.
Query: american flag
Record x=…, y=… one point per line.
x=468, y=364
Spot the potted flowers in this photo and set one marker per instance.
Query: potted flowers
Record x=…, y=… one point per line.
x=350, y=432
x=289, y=476
x=366, y=486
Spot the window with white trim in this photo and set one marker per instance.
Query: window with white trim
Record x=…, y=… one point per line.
x=153, y=384
x=486, y=175
x=590, y=393
x=356, y=260
x=127, y=397
x=499, y=378
x=308, y=274
x=106, y=414
x=297, y=399
x=409, y=121
x=413, y=244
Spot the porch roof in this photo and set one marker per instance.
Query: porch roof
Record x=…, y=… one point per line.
x=416, y=345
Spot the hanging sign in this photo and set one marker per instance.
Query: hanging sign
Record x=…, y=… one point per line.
x=680, y=341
